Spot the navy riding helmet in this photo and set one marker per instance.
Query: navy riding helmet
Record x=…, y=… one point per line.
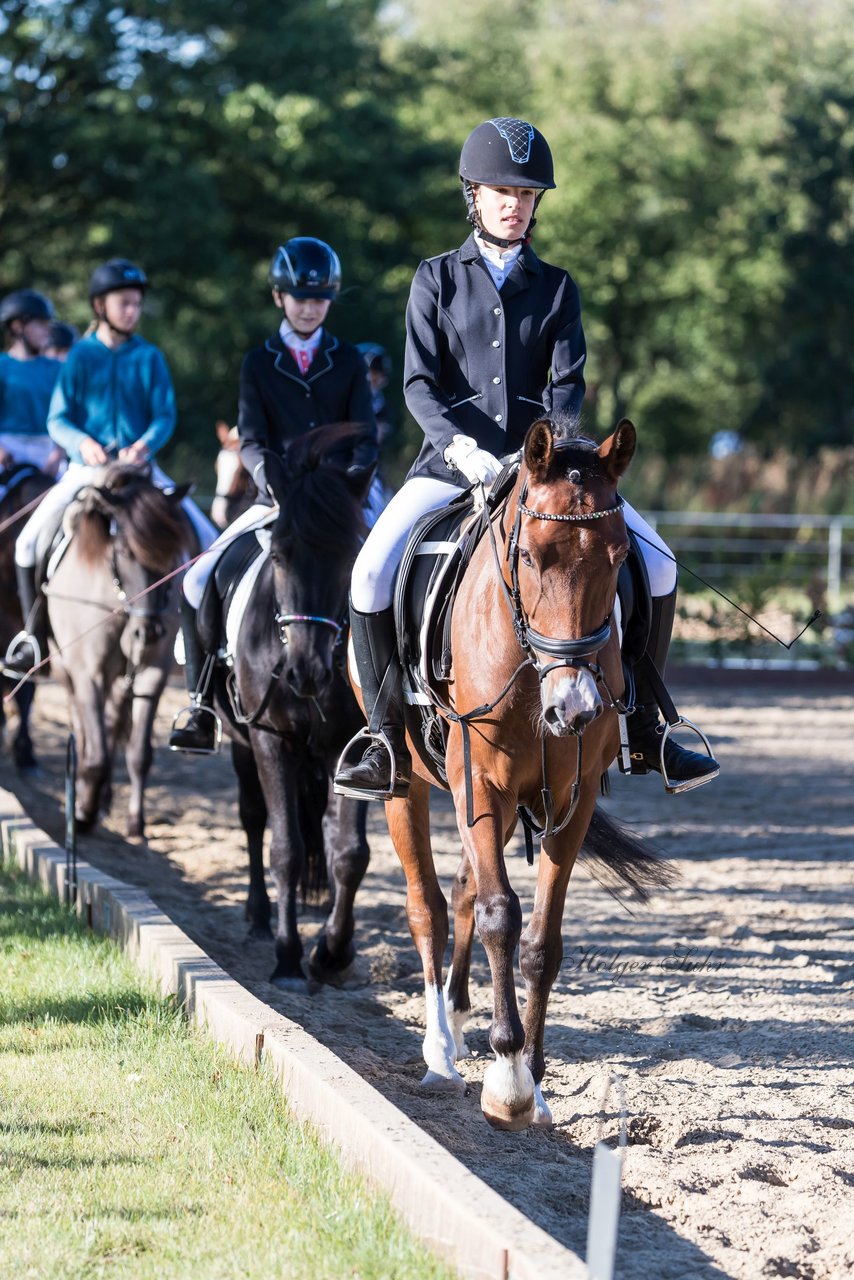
x=305, y=268
x=505, y=152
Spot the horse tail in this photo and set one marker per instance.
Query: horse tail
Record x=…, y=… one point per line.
x=313, y=794
x=619, y=859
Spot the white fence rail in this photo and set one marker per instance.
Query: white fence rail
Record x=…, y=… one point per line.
x=721, y=545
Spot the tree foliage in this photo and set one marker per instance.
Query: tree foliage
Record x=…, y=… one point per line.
x=704, y=163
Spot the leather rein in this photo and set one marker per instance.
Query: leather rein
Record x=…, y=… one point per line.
x=572, y=652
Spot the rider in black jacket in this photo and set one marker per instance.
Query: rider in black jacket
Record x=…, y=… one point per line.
x=301, y=378
x=493, y=340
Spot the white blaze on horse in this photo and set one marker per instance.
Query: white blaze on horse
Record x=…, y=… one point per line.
x=235, y=491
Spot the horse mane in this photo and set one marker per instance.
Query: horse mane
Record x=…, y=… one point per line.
x=152, y=525
x=318, y=506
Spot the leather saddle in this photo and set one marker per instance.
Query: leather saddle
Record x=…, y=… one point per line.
x=231, y=566
x=435, y=558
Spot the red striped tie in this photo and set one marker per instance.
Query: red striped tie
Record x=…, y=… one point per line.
x=303, y=358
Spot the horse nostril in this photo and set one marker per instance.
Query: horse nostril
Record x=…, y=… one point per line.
x=583, y=718
x=554, y=719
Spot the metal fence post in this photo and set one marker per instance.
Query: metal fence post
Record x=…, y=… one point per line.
x=834, y=560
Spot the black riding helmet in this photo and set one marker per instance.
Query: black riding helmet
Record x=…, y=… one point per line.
x=25, y=304
x=63, y=336
x=118, y=273
x=305, y=268
x=505, y=152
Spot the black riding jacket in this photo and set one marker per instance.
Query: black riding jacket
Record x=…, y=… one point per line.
x=278, y=403
x=486, y=363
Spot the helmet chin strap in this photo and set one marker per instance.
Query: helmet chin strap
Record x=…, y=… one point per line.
x=475, y=220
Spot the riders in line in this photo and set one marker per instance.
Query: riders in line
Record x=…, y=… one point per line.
x=302, y=377
x=27, y=379
x=494, y=340
x=113, y=399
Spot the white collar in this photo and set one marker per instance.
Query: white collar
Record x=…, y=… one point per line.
x=292, y=339
x=501, y=258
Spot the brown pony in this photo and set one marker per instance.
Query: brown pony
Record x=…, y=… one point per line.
x=127, y=535
x=536, y=658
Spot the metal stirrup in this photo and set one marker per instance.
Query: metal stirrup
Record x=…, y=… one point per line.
x=379, y=738
x=689, y=784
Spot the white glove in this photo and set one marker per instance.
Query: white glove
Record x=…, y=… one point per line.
x=474, y=463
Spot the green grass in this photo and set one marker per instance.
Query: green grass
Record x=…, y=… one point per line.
x=131, y=1147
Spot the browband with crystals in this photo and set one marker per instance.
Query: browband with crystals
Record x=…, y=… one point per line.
x=589, y=515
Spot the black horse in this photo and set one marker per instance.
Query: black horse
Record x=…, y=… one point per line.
x=288, y=707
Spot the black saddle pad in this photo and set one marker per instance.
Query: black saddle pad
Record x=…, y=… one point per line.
x=220, y=588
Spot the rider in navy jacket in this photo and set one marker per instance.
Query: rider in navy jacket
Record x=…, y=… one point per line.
x=478, y=361
x=493, y=340
x=279, y=402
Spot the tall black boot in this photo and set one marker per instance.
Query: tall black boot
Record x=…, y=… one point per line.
x=683, y=768
x=29, y=646
x=201, y=731
x=385, y=768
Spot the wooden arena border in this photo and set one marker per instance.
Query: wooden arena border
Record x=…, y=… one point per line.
x=456, y=1214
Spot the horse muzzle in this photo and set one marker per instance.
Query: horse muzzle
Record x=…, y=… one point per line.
x=571, y=701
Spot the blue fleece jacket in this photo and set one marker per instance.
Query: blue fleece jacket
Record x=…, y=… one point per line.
x=115, y=397
x=25, y=390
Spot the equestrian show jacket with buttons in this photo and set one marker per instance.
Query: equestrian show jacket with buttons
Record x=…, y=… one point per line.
x=279, y=403
x=114, y=395
x=486, y=363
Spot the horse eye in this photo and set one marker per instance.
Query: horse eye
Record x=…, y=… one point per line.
x=574, y=477
x=526, y=558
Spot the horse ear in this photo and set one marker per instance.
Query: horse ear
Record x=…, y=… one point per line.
x=180, y=492
x=539, y=448
x=275, y=470
x=619, y=449
x=222, y=432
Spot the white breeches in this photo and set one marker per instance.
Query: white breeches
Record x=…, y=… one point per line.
x=66, y=489
x=33, y=449
x=196, y=577
x=372, y=585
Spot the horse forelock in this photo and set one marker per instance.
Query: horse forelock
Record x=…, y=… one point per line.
x=150, y=523
x=318, y=509
x=153, y=525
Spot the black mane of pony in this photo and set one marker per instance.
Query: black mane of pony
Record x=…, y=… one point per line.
x=318, y=506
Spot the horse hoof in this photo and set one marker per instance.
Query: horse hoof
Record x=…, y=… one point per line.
x=30, y=771
x=84, y=822
x=335, y=971
x=500, y=1116
x=290, y=983
x=436, y=1082
x=135, y=829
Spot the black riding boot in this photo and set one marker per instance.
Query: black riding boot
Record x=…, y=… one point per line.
x=29, y=646
x=684, y=769
x=385, y=768
x=200, y=732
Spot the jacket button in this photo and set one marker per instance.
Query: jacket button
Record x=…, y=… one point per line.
x=311, y=424
x=496, y=343
x=498, y=417
x=308, y=395
x=496, y=311
x=496, y=380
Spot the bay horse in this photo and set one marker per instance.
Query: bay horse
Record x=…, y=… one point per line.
x=21, y=487
x=287, y=705
x=536, y=672
x=127, y=534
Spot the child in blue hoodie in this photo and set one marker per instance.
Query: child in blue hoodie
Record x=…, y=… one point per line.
x=114, y=399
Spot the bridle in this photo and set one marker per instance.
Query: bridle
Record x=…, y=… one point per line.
x=574, y=652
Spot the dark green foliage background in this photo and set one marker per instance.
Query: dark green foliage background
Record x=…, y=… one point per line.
x=704, y=154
